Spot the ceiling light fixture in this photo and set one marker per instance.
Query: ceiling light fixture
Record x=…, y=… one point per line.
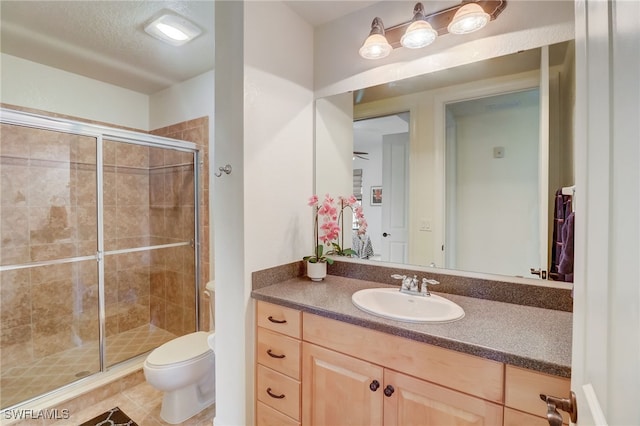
x=422, y=30
x=173, y=29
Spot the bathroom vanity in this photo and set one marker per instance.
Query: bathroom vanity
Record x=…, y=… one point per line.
x=320, y=360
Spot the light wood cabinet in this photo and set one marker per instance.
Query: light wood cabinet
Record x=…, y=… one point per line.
x=337, y=389
x=418, y=402
x=278, y=345
x=523, y=388
x=342, y=390
x=470, y=374
x=316, y=371
x=518, y=418
x=350, y=376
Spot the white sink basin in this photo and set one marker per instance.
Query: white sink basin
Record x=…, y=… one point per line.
x=392, y=304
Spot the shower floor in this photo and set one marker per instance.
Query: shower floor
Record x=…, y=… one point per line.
x=51, y=372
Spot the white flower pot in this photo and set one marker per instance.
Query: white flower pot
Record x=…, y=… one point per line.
x=316, y=271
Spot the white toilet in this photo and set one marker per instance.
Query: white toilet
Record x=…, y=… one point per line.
x=184, y=369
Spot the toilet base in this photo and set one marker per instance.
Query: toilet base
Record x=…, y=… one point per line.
x=181, y=404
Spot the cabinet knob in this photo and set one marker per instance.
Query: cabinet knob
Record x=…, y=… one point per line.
x=374, y=385
x=388, y=391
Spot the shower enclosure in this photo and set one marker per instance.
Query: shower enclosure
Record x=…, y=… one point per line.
x=98, y=249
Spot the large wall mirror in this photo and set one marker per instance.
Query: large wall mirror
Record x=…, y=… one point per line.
x=458, y=169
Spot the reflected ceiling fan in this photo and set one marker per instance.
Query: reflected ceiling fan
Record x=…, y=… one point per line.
x=360, y=154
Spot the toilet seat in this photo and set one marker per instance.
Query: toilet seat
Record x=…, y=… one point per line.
x=182, y=350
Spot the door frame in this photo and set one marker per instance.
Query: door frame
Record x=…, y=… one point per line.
x=606, y=324
x=463, y=92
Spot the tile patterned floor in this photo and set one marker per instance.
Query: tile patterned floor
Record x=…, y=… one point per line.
x=141, y=403
x=51, y=372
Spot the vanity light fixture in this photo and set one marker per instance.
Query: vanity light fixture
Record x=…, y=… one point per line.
x=173, y=29
x=422, y=30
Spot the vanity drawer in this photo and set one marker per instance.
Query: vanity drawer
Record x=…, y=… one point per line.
x=518, y=418
x=278, y=391
x=279, y=352
x=267, y=416
x=523, y=388
x=279, y=319
x=466, y=373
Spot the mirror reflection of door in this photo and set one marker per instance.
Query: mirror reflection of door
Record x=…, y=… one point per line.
x=385, y=141
x=492, y=184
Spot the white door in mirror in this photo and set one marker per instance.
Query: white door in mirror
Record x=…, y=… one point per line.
x=392, y=304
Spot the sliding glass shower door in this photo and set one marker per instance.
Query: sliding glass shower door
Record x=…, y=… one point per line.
x=98, y=249
x=49, y=276
x=149, y=256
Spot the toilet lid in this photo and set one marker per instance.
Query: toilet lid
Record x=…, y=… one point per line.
x=180, y=349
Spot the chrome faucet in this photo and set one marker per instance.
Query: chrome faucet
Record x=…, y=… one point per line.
x=413, y=286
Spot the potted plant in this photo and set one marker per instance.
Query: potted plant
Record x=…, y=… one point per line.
x=327, y=229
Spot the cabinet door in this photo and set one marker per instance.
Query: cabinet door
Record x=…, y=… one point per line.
x=337, y=389
x=417, y=402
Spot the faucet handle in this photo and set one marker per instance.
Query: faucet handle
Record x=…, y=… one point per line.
x=425, y=288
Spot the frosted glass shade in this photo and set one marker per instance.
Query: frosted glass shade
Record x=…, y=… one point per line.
x=469, y=18
x=375, y=46
x=419, y=34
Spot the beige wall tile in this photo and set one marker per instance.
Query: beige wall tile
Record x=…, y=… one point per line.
x=14, y=183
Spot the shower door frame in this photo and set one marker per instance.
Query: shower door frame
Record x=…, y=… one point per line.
x=100, y=133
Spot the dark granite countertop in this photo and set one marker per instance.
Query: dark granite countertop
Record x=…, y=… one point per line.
x=523, y=336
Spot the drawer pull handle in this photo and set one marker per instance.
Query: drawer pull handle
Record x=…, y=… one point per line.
x=273, y=395
x=272, y=319
x=388, y=391
x=272, y=355
x=374, y=385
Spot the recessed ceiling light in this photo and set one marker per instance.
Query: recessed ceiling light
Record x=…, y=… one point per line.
x=173, y=29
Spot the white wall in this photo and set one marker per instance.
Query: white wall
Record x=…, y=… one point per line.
x=264, y=129
x=32, y=85
x=334, y=145
x=184, y=101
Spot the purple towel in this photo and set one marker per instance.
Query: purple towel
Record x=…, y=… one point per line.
x=565, y=267
x=561, y=212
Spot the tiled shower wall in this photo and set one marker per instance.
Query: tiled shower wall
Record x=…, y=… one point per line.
x=48, y=211
x=196, y=131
